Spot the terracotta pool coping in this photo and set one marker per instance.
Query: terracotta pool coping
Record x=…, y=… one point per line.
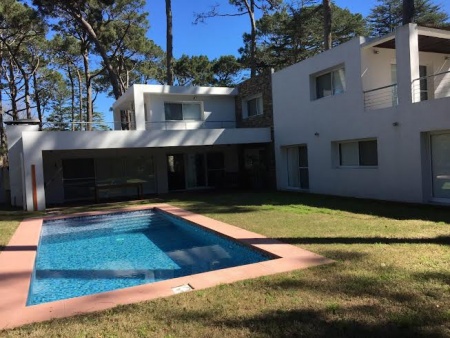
x=17, y=261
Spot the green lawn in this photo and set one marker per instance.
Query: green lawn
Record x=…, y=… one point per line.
x=391, y=276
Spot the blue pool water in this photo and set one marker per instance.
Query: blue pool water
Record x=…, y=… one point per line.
x=87, y=255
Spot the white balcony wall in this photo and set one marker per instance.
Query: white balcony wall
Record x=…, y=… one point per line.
x=218, y=112
x=147, y=104
x=376, y=66
x=438, y=85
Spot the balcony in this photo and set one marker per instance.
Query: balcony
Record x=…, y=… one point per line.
x=424, y=88
x=382, y=97
x=431, y=87
x=189, y=125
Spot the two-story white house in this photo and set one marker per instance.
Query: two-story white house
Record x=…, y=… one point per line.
x=369, y=118
x=175, y=138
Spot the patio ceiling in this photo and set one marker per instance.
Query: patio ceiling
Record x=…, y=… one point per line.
x=426, y=44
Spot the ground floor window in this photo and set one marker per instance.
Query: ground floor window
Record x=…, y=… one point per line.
x=297, y=164
x=362, y=153
x=81, y=176
x=78, y=178
x=440, y=165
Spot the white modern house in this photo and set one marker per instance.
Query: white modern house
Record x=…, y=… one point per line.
x=369, y=118
x=176, y=138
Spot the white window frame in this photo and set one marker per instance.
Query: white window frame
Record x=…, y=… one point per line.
x=330, y=71
x=260, y=106
x=200, y=103
x=357, y=142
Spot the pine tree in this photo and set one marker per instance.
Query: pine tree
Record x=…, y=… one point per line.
x=388, y=14
x=294, y=34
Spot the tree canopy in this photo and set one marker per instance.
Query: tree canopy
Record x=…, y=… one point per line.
x=387, y=15
x=294, y=34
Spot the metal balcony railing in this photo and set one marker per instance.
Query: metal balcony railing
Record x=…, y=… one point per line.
x=430, y=87
x=77, y=126
x=187, y=125
x=154, y=125
x=382, y=97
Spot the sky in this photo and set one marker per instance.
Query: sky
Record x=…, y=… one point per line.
x=217, y=36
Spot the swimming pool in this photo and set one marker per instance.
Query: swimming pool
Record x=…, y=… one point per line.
x=93, y=254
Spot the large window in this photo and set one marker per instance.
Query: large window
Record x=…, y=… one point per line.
x=253, y=106
x=358, y=154
x=440, y=165
x=78, y=178
x=297, y=164
x=183, y=111
x=330, y=83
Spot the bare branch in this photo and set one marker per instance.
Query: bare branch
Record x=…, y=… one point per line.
x=212, y=13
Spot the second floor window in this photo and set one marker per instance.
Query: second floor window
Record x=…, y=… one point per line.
x=253, y=106
x=183, y=111
x=330, y=83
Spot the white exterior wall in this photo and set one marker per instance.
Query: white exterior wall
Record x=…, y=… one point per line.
x=401, y=173
x=16, y=168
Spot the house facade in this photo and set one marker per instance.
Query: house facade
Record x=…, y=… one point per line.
x=164, y=139
x=254, y=109
x=369, y=118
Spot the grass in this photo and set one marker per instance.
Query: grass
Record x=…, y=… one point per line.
x=391, y=276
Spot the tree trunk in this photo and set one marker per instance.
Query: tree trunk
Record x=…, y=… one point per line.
x=169, y=47
x=113, y=77
x=80, y=99
x=3, y=146
x=26, y=84
x=327, y=24
x=12, y=90
x=72, y=97
x=88, y=84
x=250, y=5
x=37, y=99
x=408, y=11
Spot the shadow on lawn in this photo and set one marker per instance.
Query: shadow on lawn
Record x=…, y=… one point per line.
x=364, y=240
x=327, y=323
x=247, y=201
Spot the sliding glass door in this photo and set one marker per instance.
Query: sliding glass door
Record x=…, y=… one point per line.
x=440, y=165
x=297, y=167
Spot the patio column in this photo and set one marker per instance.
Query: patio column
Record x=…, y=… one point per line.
x=33, y=170
x=407, y=58
x=139, y=107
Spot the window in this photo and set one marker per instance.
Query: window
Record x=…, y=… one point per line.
x=297, y=165
x=358, y=154
x=330, y=83
x=183, y=111
x=253, y=106
x=440, y=165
